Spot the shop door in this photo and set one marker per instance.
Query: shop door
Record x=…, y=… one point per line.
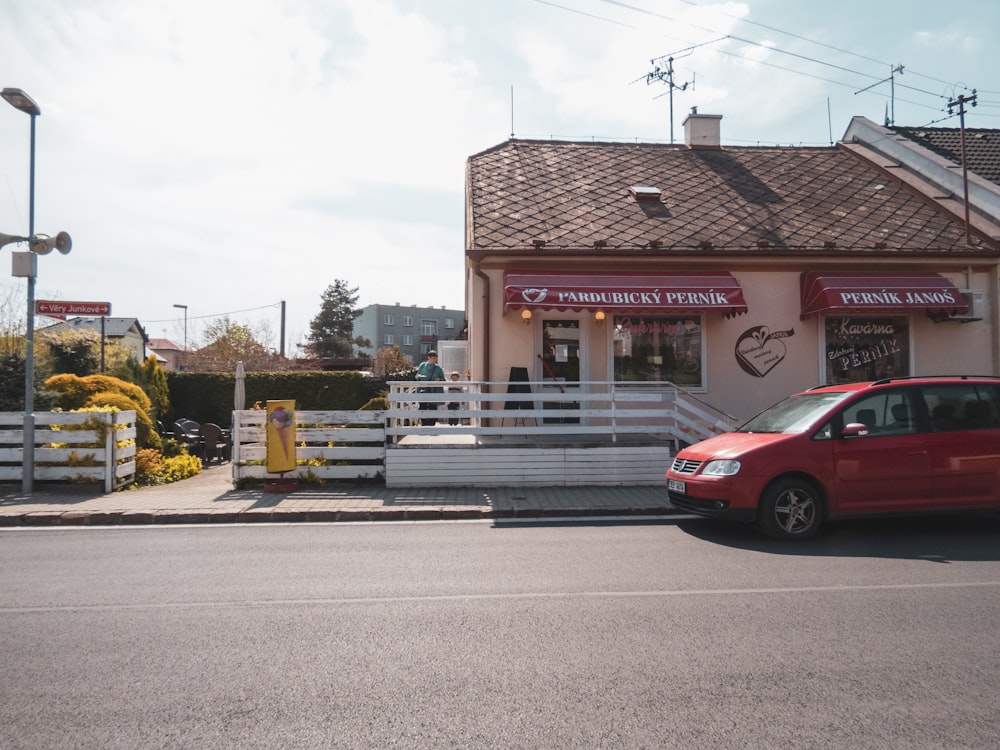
x=560, y=364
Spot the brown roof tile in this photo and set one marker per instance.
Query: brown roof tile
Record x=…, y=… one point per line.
x=748, y=200
x=982, y=147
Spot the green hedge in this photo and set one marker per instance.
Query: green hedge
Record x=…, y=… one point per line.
x=208, y=396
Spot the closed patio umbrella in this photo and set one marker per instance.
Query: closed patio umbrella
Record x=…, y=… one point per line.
x=239, y=392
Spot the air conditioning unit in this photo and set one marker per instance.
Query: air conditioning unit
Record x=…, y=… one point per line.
x=975, y=299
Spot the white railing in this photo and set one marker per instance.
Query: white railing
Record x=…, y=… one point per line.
x=612, y=411
x=78, y=447
x=328, y=445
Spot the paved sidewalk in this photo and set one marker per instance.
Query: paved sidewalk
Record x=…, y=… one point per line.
x=210, y=498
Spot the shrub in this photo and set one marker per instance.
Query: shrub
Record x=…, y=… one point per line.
x=181, y=467
x=145, y=435
x=152, y=467
x=74, y=392
x=148, y=467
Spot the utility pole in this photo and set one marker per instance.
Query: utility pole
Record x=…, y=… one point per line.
x=960, y=102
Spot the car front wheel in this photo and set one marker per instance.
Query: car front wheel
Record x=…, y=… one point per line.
x=791, y=509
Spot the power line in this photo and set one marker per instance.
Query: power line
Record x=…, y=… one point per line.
x=219, y=315
x=583, y=13
x=778, y=50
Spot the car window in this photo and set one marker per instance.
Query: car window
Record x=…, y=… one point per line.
x=796, y=413
x=962, y=406
x=887, y=412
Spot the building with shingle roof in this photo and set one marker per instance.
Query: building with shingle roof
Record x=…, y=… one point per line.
x=741, y=274
x=982, y=147
x=127, y=332
x=932, y=158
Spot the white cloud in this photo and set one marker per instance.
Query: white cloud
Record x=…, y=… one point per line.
x=227, y=156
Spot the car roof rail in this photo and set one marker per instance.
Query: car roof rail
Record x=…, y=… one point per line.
x=883, y=381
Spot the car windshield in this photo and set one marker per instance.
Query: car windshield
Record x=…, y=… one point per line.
x=796, y=413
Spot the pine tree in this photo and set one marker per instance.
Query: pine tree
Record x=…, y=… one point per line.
x=330, y=332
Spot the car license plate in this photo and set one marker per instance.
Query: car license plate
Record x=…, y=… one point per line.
x=675, y=485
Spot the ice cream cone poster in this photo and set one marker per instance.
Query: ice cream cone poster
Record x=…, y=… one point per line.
x=280, y=428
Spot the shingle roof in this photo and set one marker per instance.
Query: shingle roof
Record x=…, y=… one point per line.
x=982, y=147
x=572, y=195
x=113, y=327
x=163, y=344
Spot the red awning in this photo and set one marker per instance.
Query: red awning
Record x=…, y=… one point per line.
x=710, y=291
x=879, y=293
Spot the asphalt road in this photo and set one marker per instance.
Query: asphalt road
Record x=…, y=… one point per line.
x=467, y=635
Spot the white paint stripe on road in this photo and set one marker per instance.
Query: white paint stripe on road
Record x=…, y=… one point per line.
x=504, y=597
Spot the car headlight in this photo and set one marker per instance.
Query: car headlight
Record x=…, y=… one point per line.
x=721, y=468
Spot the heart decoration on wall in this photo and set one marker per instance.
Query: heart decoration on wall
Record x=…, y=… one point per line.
x=758, y=350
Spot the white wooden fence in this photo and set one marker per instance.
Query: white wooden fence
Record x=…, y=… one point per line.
x=79, y=447
x=555, y=434
x=328, y=445
x=594, y=433
x=603, y=410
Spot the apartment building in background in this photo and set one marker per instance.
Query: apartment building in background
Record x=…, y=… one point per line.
x=415, y=330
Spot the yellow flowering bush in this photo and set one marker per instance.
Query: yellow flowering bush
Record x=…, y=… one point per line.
x=152, y=467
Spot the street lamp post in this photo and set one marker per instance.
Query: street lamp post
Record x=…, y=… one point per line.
x=20, y=100
x=185, y=309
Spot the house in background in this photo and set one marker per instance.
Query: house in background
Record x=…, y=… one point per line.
x=126, y=332
x=741, y=274
x=415, y=330
x=168, y=353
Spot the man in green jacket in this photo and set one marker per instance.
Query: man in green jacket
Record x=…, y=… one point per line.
x=429, y=369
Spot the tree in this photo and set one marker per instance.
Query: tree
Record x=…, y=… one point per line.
x=78, y=352
x=155, y=386
x=389, y=360
x=227, y=343
x=12, y=309
x=330, y=332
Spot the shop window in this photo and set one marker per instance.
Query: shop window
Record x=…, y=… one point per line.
x=658, y=349
x=860, y=349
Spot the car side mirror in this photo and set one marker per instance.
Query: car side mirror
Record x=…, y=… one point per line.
x=854, y=429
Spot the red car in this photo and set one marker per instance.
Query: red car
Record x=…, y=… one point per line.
x=899, y=445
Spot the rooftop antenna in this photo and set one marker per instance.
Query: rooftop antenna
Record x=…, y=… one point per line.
x=889, y=119
x=666, y=75
x=512, y=111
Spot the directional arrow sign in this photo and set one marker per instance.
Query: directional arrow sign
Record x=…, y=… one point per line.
x=59, y=309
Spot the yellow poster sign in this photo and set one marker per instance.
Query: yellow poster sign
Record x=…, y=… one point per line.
x=280, y=429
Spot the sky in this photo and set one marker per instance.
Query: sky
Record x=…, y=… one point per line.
x=230, y=156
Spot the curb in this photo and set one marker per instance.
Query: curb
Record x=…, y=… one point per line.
x=273, y=515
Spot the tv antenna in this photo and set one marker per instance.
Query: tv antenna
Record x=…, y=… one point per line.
x=889, y=119
x=665, y=74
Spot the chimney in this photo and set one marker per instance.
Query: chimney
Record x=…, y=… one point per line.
x=702, y=131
